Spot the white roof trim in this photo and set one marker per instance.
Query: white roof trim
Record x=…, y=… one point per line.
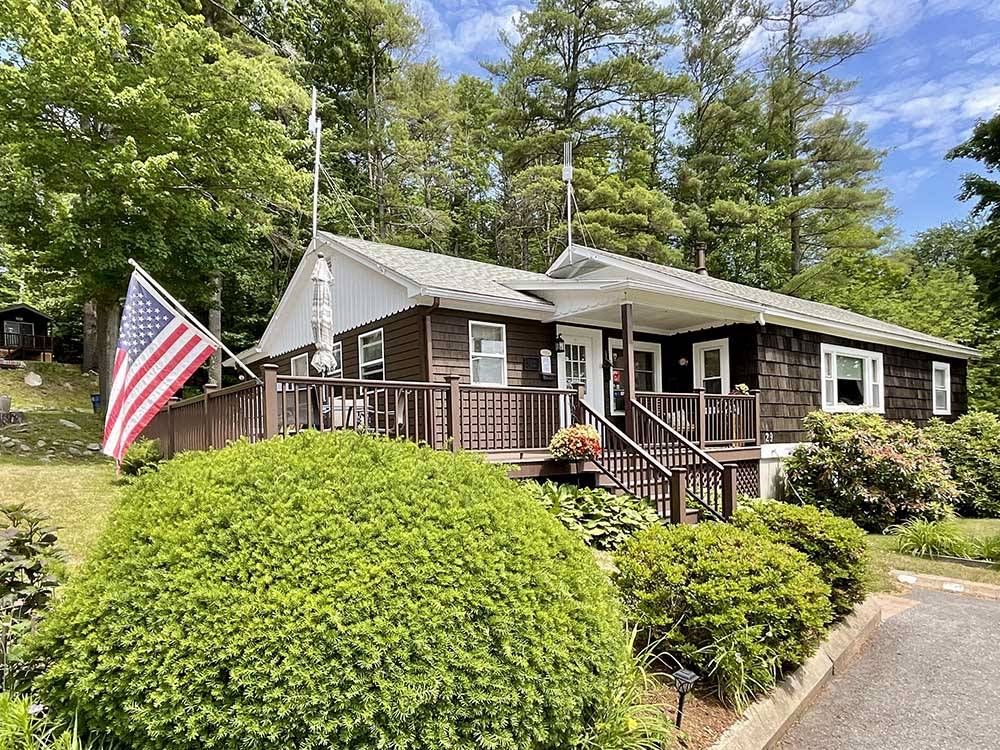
x=769, y=313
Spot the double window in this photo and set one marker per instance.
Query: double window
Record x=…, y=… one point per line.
x=941, y=388
x=852, y=379
x=487, y=353
x=711, y=365
x=371, y=355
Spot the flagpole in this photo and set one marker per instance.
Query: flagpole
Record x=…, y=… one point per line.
x=316, y=128
x=191, y=318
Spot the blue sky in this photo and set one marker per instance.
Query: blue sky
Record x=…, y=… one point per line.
x=933, y=73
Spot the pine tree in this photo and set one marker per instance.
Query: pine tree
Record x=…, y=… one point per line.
x=825, y=163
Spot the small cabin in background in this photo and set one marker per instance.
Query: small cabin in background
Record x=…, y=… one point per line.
x=25, y=333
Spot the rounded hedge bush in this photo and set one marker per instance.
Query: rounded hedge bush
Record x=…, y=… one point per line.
x=836, y=545
x=971, y=447
x=733, y=605
x=335, y=591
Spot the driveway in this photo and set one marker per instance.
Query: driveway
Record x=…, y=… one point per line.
x=928, y=680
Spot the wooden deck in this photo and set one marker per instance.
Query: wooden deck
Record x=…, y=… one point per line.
x=678, y=448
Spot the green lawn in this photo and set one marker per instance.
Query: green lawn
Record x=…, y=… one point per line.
x=78, y=496
x=885, y=558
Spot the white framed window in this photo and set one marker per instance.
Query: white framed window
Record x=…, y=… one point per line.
x=300, y=366
x=648, y=372
x=711, y=365
x=941, y=388
x=371, y=355
x=338, y=360
x=487, y=353
x=852, y=379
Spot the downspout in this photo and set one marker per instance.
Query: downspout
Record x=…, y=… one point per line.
x=429, y=340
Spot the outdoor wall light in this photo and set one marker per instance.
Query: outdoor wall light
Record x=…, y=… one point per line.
x=683, y=361
x=560, y=344
x=684, y=680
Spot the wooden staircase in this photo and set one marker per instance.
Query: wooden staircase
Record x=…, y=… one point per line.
x=658, y=463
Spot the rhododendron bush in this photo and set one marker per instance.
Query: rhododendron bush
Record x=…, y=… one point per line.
x=874, y=472
x=577, y=443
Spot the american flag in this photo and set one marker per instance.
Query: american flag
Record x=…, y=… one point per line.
x=158, y=349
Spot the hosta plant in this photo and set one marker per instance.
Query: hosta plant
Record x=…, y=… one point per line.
x=579, y=442
x=603, y=519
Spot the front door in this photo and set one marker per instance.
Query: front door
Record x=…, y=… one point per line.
x=580, y=363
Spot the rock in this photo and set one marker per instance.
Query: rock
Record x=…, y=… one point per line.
x=74, y=452
x=33, y=379
x=24, y=447
x=68, y=386
x=46, y=459
x=71, y=425
x=93, y=447
x=40, y=444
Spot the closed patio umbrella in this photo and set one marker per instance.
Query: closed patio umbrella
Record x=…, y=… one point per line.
x=322, y=317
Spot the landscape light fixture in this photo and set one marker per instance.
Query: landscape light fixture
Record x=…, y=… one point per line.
x=684, y=680
x=560, y=344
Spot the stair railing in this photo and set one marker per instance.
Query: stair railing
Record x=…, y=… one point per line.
x=710, y=484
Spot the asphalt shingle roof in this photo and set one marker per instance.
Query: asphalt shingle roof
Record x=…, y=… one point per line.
x=446, y=271
x=784, y=302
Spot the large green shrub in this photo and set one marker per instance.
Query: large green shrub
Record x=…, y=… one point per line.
x=336, y=591
x=971, y=447
x=836, y=545
x=142, y=455
x=603, y=519
x=870, y=470
x=730, y=603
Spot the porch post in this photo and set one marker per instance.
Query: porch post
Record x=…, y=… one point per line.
x=728, y=490
x=270, y=400
x=678, y=495
x=454, y=412
x=628, y=368
x=702, y=421
x=170, y=429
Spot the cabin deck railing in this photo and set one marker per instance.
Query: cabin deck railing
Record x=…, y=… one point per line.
x=27, y=342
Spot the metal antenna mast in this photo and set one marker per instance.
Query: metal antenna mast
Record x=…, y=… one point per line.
x=567, y=175
x=316, y=128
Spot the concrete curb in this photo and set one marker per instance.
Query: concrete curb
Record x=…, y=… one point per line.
x=766, y=721
x=949, y=585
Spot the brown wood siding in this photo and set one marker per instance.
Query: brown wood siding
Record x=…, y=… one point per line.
x=678, y=378
x=403, y=340
x=789, y=379
x=525, y=338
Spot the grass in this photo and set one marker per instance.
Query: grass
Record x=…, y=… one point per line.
x=885, y=558
x=63, y=388
x=77, y=496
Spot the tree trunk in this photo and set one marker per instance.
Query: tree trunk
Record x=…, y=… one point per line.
x=215, y=328
x=108, y=319
x=89, y=337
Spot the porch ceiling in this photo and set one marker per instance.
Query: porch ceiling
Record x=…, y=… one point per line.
x=651, y=313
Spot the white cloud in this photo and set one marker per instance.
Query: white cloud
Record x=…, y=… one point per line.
x=463, y=34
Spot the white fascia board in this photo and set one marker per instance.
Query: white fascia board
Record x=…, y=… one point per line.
x=860, y=333
x=286, y=296
x=483, y=299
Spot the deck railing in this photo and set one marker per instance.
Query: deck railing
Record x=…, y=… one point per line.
x=26, y=342
x=708, y=420
x=510, y=419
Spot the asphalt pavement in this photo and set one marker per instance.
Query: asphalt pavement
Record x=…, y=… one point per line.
x=929, y=679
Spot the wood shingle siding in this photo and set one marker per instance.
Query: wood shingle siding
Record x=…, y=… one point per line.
x=525, y=338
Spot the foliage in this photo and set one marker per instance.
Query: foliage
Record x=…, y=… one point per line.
x=924, y=538
x=579, y=442
x=732, y=604
x=142, y=455
x=870, y=470
x=835, y=545
x=333, y=589
x=603, y=519
x=971, y=447
x=627, y=720
x=987, y=548
x=23, y=726
x=28, y=554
